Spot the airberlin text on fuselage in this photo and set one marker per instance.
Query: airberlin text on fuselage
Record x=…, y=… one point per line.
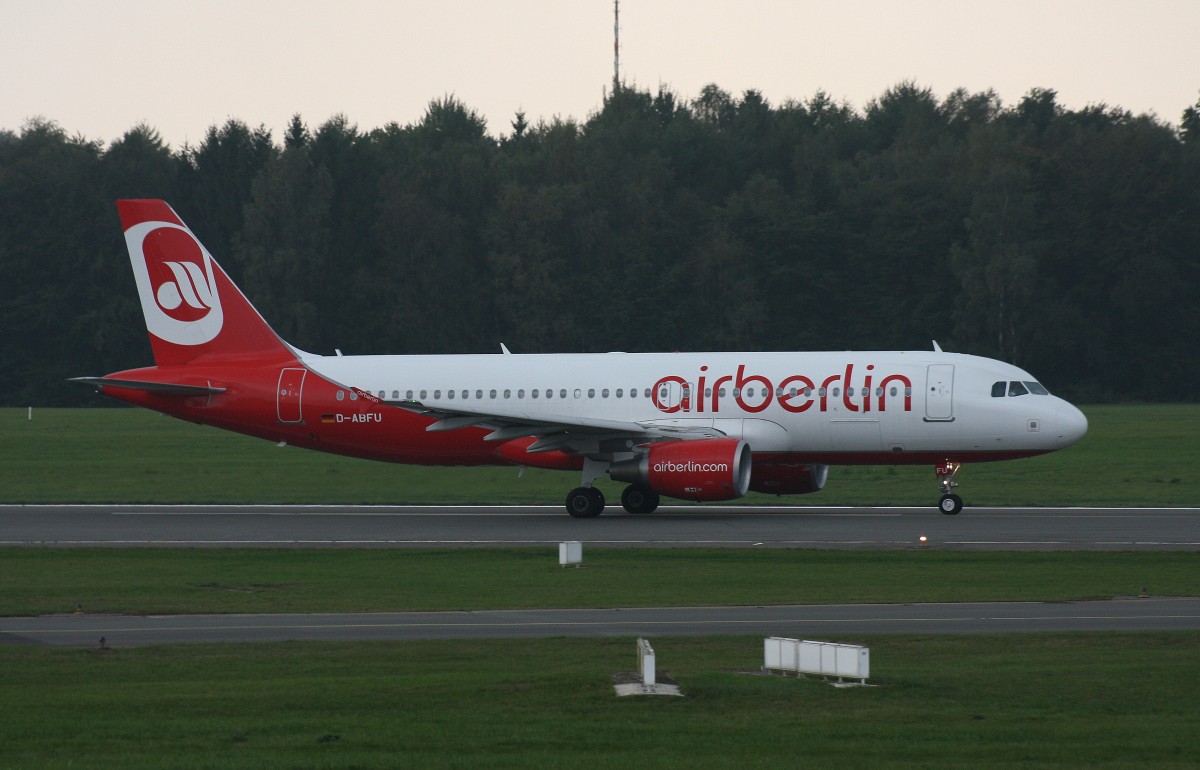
x=795, y=393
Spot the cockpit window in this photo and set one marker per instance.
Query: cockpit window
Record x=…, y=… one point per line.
x=1017, y=389
x=1037, y=389
x=999, y=389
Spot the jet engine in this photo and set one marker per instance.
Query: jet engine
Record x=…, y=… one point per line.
x=705, y=469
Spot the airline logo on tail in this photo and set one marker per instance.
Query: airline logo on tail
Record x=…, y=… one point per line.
x=174, y=274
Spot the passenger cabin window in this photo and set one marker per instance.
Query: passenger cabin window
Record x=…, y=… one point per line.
x=999, y=389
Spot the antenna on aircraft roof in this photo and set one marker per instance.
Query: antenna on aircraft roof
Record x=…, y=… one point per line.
x=936, y=347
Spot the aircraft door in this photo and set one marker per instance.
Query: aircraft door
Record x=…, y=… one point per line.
x=287, y=395
x=672, y=396
x=939, y=393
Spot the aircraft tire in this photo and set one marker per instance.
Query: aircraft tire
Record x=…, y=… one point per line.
x=585, y=502
x=639, y=499
x=950, y=505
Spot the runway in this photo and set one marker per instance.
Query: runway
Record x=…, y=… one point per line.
x=800, y=621
x=682, y=526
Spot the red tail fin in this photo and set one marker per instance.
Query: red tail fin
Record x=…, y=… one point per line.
x=192, y=309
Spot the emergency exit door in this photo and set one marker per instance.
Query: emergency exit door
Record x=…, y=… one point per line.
x=291, y=386
x=939, y=393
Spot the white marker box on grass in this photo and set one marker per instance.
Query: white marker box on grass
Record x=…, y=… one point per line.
x=570, y=553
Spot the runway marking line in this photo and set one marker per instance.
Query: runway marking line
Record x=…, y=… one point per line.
x=424, y=509
x=616, y=624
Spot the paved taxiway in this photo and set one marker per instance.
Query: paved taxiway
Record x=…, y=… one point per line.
x=671, y=526
x=794, y=621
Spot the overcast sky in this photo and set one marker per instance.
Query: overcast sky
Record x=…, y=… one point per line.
x=99, y=68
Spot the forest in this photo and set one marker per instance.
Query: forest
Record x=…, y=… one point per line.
x=1064, y=241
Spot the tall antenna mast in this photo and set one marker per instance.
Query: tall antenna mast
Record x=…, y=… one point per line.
x=616, y=45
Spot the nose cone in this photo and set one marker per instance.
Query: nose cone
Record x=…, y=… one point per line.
x=1072, y=425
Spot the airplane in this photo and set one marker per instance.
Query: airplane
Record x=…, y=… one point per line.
x=691, y=426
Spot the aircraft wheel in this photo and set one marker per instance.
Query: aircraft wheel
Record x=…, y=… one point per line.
x=585, y=502
x=639, y=499
x=950, y=504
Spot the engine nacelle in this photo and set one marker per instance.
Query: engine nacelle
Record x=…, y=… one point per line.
x=705, y=469
x=788, y=478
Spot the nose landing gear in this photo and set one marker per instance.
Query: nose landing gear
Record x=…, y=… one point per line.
x=949, y=504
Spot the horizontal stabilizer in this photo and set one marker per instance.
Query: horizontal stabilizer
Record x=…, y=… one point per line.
x=166, y=388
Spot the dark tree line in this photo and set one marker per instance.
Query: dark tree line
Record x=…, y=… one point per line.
x=1067, y=242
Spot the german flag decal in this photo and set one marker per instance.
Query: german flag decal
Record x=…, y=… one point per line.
x=328, y=418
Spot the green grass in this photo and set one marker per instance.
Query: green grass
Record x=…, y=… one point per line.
x=1133, y=455
x=1029, y=701
x=37, y=581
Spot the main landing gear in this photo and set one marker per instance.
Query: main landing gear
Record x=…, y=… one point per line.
x=639, y=499
x=588, y=502
x=950, y=504
x=585, y=502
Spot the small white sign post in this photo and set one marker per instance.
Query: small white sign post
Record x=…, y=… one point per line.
x=844, y=661
x=646, y=662
x=648, y=674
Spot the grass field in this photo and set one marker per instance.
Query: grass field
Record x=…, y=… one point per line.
x=1028, y=701
x=1031, y=701
x=36, y=581
x=1133, y=455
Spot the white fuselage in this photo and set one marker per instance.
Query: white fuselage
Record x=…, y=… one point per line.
x=862, y=406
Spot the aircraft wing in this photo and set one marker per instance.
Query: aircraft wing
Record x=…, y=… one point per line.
x=554, y=432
